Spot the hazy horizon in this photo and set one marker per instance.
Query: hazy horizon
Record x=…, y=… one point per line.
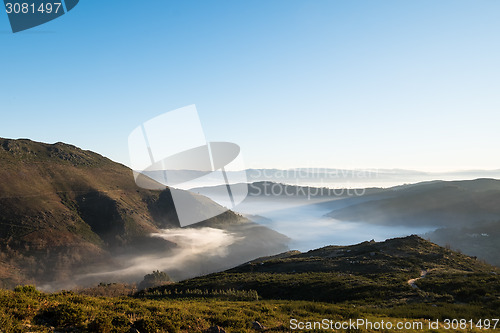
x=330, y=177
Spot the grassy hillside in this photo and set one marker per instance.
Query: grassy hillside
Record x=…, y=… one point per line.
x=28, y=310
x=366, y=272
x=368, y=281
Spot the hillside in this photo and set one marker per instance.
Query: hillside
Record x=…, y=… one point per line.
x=66, y=211
x=379, y=273
x=27, y=310
x=404, y=280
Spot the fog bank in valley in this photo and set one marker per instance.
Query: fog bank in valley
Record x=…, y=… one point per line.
x=195, y=252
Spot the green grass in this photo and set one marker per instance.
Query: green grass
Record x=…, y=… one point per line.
x=26, y=309
x=366, y=273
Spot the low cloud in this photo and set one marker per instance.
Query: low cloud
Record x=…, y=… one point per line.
x=194, y=248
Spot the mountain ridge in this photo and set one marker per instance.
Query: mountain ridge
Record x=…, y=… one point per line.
x=64, y=210
x=379, y=272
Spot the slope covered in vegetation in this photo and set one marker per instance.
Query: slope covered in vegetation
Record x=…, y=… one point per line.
x=66, y=211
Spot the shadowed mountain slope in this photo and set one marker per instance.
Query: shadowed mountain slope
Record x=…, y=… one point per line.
x=457, y=203
x=64, y=209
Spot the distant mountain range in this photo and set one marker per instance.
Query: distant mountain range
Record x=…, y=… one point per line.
x=360, y=178
x=466, y=213
x=272, y=190
x=456, y=203
x=328, y=177
x=66, y=211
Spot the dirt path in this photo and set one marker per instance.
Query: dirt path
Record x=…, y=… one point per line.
x=411, y=282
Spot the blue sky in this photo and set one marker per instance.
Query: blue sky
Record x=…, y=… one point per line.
x=346, y=84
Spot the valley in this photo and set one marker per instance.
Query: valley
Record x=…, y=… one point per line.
x=77, y=235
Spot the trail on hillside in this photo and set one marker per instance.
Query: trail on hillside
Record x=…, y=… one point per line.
x=411, y=282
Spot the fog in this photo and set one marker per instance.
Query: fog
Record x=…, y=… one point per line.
x=305, y=223
x=195, y=252
x=282, y=224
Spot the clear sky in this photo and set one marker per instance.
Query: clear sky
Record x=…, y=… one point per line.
x=340, y=84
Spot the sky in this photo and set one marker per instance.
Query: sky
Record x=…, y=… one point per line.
x=337, y=84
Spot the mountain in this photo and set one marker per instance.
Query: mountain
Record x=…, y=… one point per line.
x=457, y=203
x=463, y=215
x=331, y=178
x=272, y=190
x=396, y=271
x=466, y=214
x=65, y=211
x=360, y=178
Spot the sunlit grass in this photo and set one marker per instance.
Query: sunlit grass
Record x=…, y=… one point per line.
x=26, y=309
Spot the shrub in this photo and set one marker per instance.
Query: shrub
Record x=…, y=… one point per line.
x=101, y=324
x=28, y=289
x=154, y=279
x=120, y=321
x=145, y=325
x=66, y=315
